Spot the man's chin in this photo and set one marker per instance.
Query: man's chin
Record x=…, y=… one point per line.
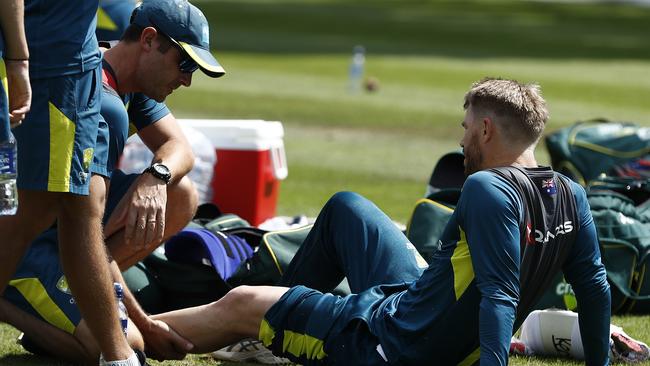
x=159, y=98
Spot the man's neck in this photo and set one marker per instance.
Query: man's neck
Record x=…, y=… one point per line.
x=122, y=61
x=525, y=159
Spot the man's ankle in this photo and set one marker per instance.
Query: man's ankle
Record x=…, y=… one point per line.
x=131, y=361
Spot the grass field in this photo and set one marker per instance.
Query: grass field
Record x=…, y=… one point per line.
x=288, y=60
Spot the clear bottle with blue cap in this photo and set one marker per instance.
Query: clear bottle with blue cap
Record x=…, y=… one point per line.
x=123, y=313
x=357, y=65
x=8, y=175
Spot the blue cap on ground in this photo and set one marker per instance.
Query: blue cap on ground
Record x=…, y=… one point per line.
x=185, y=24
x=223, y=252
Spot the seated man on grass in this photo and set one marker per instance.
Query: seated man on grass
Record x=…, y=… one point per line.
x=516, y=225
x=158, y=53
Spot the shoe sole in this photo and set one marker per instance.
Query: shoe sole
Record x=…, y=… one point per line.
x=260, y=356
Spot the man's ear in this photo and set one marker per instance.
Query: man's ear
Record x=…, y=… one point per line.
x=489, y=129
x=146, y=38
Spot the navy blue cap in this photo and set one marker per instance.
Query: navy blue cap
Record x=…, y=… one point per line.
x=185, y=24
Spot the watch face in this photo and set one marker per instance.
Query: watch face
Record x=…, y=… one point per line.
x=161, y=169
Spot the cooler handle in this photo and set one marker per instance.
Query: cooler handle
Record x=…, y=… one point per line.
x=279, y=161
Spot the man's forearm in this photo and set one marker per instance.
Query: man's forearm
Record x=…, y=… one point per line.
x=177, y=156
x=13, y=29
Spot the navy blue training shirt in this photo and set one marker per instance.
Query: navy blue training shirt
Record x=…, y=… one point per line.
x=126, y=115
x=61, y=37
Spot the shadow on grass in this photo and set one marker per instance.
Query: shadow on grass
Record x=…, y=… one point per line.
x=29, y=360
x=467, y=29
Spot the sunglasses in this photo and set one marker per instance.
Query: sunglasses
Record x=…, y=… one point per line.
x=186, y=64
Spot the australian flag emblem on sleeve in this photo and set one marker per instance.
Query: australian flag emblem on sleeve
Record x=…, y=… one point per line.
x=548, y=185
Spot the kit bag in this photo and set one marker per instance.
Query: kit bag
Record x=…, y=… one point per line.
x=185, y=278
x=274, y=250
x=428, y=220
x=585, y=150
x=621, y=211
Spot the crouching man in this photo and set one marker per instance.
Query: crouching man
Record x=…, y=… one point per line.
x=165, y=43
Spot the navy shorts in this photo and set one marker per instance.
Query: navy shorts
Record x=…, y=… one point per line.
x=39, y=286
x=4, y=103
x=313, y=328
x=57, y=142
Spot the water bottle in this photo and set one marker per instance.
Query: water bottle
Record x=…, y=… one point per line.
x=205, y=158
x=356, y=69
x=123, y=314
x=137, y=157
x=8, y=174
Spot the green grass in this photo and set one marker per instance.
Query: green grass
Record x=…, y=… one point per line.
x=288, y=60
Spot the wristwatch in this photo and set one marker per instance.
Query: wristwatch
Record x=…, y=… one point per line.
x=160, y=171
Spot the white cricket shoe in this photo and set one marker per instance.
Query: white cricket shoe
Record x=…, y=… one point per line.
x=249, y=350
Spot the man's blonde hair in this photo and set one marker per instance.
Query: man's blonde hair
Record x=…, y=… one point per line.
x=519, y=108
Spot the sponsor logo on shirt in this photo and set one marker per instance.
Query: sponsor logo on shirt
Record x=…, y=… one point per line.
x=561, y=229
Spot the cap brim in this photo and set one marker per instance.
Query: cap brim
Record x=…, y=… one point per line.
x=208, y=64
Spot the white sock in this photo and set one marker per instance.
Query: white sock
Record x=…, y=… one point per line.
x=131, y=361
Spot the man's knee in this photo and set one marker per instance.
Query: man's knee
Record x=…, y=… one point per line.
x=184, y=197
x=346, y=203
x=237, y=301
x=78, y=207
x=244, y=307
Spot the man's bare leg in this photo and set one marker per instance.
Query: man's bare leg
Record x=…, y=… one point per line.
x=91, y=349
x=85, y=264
x=236, y=316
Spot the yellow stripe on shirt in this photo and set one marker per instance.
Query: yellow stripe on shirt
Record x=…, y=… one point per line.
x=461, y=263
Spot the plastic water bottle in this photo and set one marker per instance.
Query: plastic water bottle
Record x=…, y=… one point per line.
x=356, y=69
x=205, y=158
x=8, y=174
x=123, y=314
x=136, y=156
